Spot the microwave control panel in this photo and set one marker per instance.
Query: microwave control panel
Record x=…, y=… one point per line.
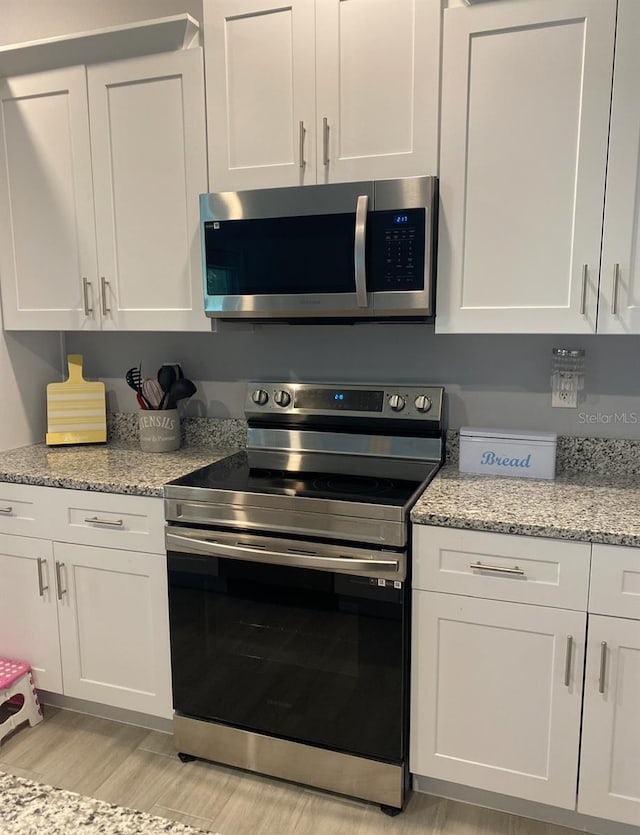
x=398, y=251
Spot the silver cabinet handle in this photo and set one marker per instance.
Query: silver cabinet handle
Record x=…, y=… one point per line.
x=41, y=586
x=359, y=250
x=61, y=591
x=480, y=566
x=7, y=509
x=614, y=289
x=583, y=299
x=95, y=520
x=603, y=666
x=85, y=296
x=302, y=135
x=104, y=284
x=325, y=141
x=567, y=661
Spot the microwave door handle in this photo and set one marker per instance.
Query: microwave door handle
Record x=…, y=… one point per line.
x=359, y=250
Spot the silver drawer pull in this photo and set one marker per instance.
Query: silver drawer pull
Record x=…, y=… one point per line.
x=6, y=509
x=61, y=590
x=567, y=661
x=303, y=162
x=583, y=297
x=104, y=285
x=603, y=667
x=86, y=285
x=41, y=586
x=480, y=566
x=114, y=523
x=325, y=141
x=614, y=289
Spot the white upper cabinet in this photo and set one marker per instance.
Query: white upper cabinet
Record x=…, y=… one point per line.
x=619, y=310
x=525, y=110
x=325, y=91
x=260, y=67
x=377, y=88
x=47, y=230
x=148, y=145
x=100, y=171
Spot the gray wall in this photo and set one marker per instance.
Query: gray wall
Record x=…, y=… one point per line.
x=492, y=381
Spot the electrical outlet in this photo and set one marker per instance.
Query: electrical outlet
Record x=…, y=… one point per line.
x=564, y=399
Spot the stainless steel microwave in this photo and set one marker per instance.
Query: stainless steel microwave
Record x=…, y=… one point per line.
x=337, y=251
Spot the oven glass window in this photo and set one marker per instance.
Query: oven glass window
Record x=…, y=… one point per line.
x=300, y=654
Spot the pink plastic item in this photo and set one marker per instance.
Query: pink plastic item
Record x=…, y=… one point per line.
x=11, y=671
x=16, y=679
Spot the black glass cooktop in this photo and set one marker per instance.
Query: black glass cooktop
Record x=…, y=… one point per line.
x=237, y=475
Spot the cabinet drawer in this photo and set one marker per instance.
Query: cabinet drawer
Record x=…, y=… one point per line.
x=497, y=566
x=615, y=581
x=22, y=509
x=134, y=523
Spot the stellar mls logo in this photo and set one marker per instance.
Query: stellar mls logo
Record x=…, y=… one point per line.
x=629, y=418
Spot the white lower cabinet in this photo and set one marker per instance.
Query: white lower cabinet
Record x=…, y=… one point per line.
x=28, y=611
x=114, y=627
x=497, y=692
x=610, y=759
x=92, y=619
x=498, y=685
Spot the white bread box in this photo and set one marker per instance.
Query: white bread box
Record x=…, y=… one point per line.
x=508, y=453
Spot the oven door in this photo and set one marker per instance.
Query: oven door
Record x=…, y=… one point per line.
x=312, y=655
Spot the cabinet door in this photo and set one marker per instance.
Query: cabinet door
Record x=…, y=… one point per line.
x=619, y=310
x=28, y=618
x=377, y=88
x=496, y=693
x=525, y=108
x=610, y=758
x=47, y=229
x=260, y=65
x=114, y=627
x=149, y=166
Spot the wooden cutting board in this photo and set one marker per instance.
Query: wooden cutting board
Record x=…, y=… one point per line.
x=76, y=409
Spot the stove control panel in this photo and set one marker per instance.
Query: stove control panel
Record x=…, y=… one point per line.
x=398, y=402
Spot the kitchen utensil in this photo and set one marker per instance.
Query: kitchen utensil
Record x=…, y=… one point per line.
x=180, y=390
x=152, y=392
x=141, y=401
x=76, y=409
x=133, y=379
x=166, y=378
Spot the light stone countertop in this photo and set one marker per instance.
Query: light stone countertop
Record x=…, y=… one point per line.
x=588, y=507
x=115, y=467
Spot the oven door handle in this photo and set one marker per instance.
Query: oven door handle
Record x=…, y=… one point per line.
x=241, y=552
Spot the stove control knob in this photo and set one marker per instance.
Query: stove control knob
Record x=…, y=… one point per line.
x=396, y=402
x=422, y=403
x=282, y=398
x=259, y=397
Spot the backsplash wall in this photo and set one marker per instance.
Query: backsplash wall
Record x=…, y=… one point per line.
x=498, y=381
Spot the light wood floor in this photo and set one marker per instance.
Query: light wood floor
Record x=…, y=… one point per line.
x=138, y=768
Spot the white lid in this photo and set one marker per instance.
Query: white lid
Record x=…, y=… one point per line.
x=508, y=434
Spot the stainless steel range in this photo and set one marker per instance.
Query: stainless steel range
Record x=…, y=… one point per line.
x=289, y=587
